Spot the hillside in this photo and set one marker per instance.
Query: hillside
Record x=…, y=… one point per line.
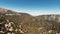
x=23, y=23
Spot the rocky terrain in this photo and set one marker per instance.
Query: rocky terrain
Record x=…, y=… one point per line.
x=12, y=22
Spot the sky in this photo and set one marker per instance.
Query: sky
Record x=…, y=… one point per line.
x=33, y=7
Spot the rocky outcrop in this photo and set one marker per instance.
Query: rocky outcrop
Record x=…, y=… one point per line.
x=8, y=27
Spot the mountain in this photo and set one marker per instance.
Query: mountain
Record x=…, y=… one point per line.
x=23, y=23
x=50, y=17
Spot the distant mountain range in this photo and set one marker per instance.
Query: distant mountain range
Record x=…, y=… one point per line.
x=28, y=24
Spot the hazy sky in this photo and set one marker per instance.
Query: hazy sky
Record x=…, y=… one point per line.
x=34, y=7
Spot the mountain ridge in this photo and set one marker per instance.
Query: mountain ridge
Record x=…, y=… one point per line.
x=27, y=24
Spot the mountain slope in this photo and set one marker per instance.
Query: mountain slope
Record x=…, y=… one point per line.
x=23, y=23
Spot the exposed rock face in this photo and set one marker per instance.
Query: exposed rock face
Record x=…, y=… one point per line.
x=3, y=10
x=22, y=23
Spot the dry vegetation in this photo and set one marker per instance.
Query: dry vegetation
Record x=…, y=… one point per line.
x=27, y=24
